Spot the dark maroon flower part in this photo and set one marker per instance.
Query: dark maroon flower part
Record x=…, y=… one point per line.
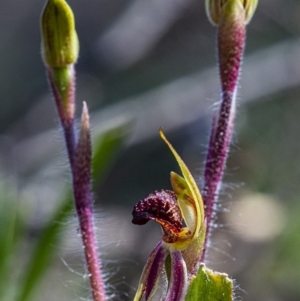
x=161, y=207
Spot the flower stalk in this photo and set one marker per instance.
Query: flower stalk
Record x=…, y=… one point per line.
x=60, y=52
x=230, y=17
x=64, y=96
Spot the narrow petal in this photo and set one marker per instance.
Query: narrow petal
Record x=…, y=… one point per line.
x=148, y=273
x=186, y=204
x=155, y=273
x=193, y=188
x=178, y=279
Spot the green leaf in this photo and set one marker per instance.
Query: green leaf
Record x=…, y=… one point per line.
x=210, y=286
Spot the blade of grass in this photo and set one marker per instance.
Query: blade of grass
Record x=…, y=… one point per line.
x=44, y=251
x=10, y=231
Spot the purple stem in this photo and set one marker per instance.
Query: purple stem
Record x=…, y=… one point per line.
x=231, y=40
x=80, y=154
x=67, y=120
x=70, y=140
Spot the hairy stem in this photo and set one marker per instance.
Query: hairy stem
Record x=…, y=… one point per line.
x=80, y=154
x=66, y=115
x=231, y=40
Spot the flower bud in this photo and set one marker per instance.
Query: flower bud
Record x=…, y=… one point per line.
x=59, y=39
x=217, y=9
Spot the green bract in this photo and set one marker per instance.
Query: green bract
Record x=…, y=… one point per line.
x=210, y=286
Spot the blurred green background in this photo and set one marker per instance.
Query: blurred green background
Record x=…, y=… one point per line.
x=145, y=64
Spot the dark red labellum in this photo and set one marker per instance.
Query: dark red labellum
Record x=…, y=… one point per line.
x=161, y=207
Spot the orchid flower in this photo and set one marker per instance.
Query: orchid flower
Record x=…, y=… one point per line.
x=182, y=246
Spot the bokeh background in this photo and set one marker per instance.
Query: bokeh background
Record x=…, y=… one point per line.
x=145, y=64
